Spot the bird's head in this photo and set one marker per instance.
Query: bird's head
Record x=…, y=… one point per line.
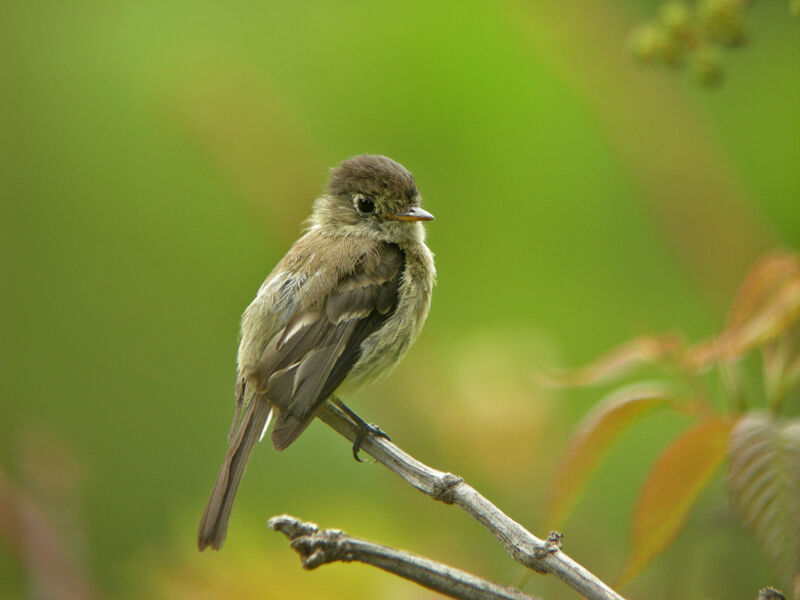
x=371, y=196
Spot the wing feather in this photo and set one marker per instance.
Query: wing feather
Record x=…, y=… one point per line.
x=311, y=356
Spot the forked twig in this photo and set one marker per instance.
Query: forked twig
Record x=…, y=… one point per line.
x=317, y=548
x=543, y=556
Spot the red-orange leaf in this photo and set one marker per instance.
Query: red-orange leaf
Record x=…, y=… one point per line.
x=674, y=483
x=762, y=281
x=767, y=304
x=615, y=363
x=592, y=441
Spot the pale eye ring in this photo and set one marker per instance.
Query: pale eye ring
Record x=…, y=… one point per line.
x=363, y=205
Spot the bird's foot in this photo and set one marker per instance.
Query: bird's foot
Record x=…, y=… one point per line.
x=366, y=430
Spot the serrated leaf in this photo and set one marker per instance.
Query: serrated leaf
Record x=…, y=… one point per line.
x=674, y=483
x=764, y=486
x=615, y=363
x=593, y=439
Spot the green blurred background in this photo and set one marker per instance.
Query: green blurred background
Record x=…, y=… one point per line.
x=156, y=160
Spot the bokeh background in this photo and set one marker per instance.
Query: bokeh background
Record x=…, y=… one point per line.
x=157, y=159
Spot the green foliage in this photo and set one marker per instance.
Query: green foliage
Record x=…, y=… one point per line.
x=594, y=439
x=763, y=457
x=157, y=159
x=673, y=485
x=764, y=487
x=693, y=36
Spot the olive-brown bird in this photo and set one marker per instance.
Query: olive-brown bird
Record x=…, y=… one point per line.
x=338, y=311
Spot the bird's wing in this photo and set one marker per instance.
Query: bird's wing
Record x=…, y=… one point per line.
x=277, y=301
x=311, y=356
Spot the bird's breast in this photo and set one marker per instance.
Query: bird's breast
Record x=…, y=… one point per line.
x=381, y=351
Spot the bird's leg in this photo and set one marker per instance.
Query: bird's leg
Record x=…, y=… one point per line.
x=364, y=428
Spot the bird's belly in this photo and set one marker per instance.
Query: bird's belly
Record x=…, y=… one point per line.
x=381, y=351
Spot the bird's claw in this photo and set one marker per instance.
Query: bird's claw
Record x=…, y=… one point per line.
x=365, y=430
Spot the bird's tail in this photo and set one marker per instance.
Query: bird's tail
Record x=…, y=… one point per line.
x=214, y=523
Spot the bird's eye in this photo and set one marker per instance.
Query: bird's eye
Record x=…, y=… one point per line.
x=364, y=205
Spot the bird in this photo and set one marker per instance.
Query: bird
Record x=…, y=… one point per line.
x=337, y=312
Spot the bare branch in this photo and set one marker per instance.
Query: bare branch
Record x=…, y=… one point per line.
x=770, y=593
x=524, y=547
x=330, y=545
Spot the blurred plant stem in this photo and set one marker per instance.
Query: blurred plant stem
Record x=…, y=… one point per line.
x=39, y=524
x=251, y=135
x=661, y=137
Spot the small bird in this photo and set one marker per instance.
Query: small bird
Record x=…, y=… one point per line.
x=338, y=311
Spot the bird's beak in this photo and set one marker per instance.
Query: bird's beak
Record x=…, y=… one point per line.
x=414, y=213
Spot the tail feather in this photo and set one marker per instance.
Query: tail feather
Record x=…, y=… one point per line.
x=214, y=524
x=287, y=429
